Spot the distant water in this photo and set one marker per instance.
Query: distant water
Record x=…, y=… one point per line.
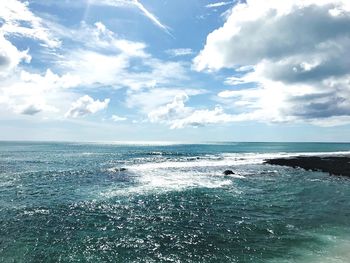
x=67, y=202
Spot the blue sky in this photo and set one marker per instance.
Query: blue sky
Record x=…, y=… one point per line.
x=185, y=70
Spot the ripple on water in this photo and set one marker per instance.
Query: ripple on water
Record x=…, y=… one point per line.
x=170, y=205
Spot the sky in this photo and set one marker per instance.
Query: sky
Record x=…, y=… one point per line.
x=184, y=70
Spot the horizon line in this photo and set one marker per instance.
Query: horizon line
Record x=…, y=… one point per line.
x=153, y=142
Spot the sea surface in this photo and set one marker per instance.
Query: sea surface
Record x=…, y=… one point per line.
x=69, y=202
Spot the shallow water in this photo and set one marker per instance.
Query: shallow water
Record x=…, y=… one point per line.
x=67, y=202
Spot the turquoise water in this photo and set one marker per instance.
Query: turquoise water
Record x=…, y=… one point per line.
x=67, y=202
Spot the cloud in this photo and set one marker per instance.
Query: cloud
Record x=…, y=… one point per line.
x=177, y=115
x=85, y=57
x=204, y=117
x=117, y=118
x=175, y=109
x=100, y=58
x=30, y=110
x=33, y=108
x=49, y=80
x=219, y=4
x=120, y=70
x=18, y=20
x=28, y=93
x=151, y=16
x=95, y=58
x=98, y=37
x=151, y=99
x=10, y=56
x=134, y=4
x=85, y=106
x=94, y=68
x=179, y=52
x=294, y=51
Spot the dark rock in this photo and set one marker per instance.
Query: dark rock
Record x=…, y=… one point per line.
x=116, y=170
x=336, y=165
x=228, y=172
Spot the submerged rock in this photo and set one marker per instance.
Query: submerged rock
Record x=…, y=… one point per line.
x=228, y=172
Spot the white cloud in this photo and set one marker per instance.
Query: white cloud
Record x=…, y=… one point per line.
x=93, y=55
x=117, y=118
x=177, y=115
x=219, y=4
x=19, y=20
x=175, y=109
x=94, y=68
x=86, y=106
x=205, y=117
x=149, y=100
x=151, y=16
x=234, y=81
x=50, y=80
x=29, y=94
x=120, y=70
x=134, y=4
x=107, y=60
x=98, y=37
x=10, y=56
x=96, y=58
x=295, y=51
x=332, y=121
x=267, y=30
x=179, y=52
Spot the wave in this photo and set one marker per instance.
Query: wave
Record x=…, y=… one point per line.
x=330, y=245
x=194, y=162
x=225, y=159
x=160, y=182
x=206, y=171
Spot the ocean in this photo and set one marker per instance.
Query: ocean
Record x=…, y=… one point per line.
x=72, y=202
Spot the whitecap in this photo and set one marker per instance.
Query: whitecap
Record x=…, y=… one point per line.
x=165, y=181
x=176, y=174
x=36, y=211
